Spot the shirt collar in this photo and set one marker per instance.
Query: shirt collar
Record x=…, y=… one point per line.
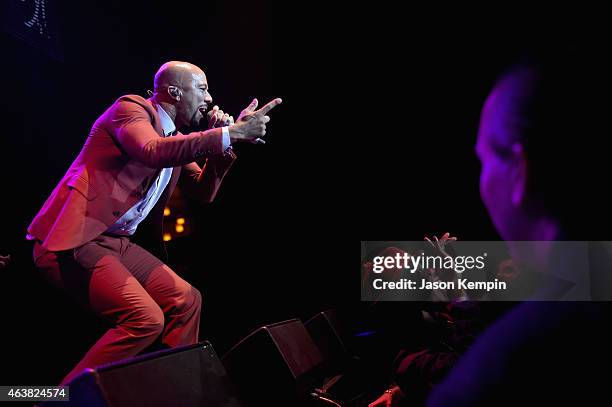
x=166, y=122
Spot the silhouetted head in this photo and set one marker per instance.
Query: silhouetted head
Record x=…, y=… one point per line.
x=539, y=144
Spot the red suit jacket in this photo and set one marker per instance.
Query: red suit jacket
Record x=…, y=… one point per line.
x=122, y=155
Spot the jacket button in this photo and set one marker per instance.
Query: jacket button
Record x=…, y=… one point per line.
x=116, y=213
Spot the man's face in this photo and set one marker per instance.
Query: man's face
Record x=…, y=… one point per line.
x=194, y=101
x=495, y=180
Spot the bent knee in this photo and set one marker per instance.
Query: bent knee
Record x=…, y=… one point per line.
x=187, y=299
x=145, y=321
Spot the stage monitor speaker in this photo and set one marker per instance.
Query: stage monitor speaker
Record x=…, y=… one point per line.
x=277, y=364
x=186, y=376
x=345, y=379
x=329, y=336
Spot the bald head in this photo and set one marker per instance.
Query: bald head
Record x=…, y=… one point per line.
x=182, y=90
x=176, y=73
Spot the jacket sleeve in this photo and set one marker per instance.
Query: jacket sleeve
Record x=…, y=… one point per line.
x=130, y=125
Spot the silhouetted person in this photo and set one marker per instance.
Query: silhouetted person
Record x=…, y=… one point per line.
x=538, y=144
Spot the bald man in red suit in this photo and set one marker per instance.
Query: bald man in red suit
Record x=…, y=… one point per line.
x=124, y=175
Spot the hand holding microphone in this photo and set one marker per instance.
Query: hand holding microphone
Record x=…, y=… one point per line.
x=217, y=118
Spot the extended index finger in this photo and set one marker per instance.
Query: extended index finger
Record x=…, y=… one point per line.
x=430, y=242
x=265, y=109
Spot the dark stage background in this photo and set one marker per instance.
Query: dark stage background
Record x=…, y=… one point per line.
x=374, y=140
